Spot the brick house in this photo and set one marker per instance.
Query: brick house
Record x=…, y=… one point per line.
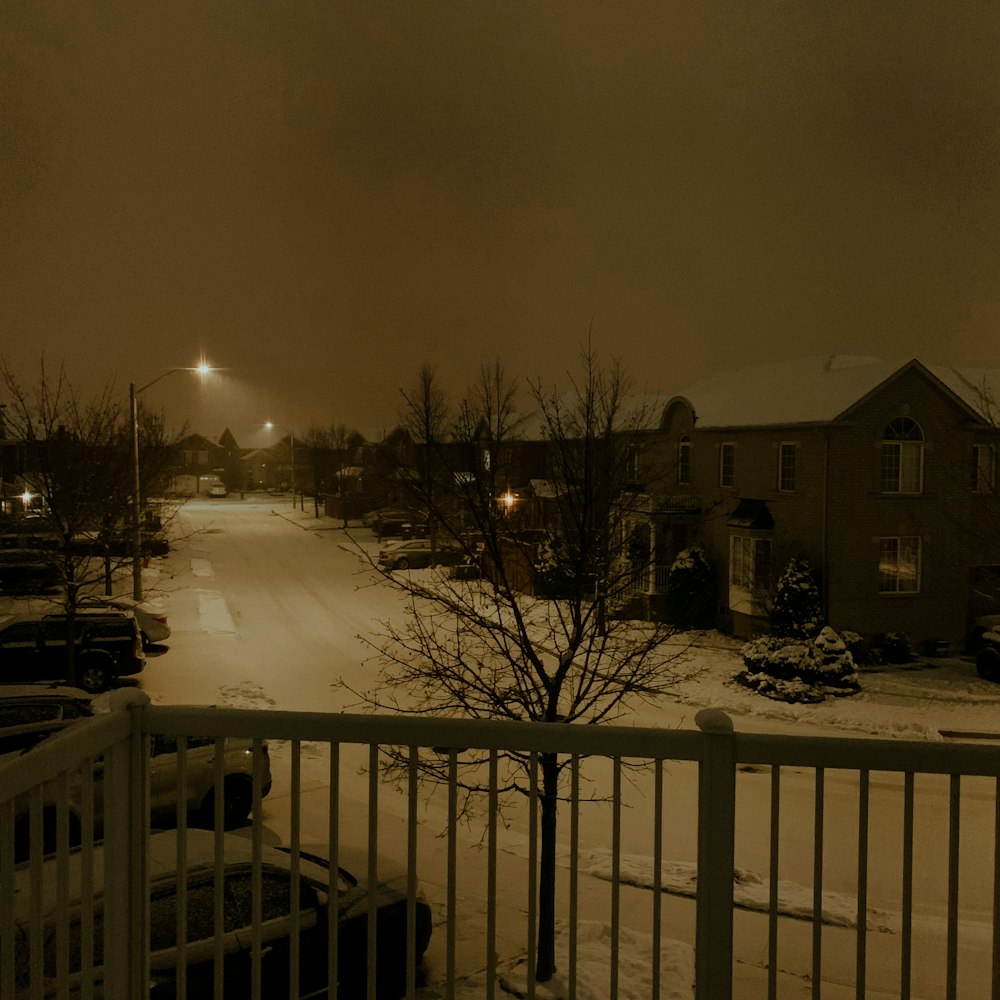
x=882, y=475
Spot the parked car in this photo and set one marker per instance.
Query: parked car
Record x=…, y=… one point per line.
x=22, y=575
x=31, y=713
x=398, y=522
x=108, y=646
x=218, y=490
x=153, y=625
x=417, y=553
x=276, y=921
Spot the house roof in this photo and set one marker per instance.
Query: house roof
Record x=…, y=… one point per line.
x=814, y=389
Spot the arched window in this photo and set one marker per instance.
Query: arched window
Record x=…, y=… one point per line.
x=902, y=457
x=684, y=461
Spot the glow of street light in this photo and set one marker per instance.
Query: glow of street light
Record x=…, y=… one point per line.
x=26, y=498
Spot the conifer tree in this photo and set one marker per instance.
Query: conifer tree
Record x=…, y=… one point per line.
x=797, y=612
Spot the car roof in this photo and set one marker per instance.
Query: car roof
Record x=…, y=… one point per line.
x=200, y=850
x=42, y=689
x=93, y=611
x=162, y=867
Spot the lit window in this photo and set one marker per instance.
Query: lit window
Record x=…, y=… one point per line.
x=786, y=467
x=684, y=461
x=899, y=565
x=749, y=573
x=727, y=464
x=902, y=457
x=982, y=468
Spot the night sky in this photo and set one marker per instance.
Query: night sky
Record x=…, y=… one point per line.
x=321, y=196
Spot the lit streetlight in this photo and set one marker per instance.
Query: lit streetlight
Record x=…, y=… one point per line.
x=203, y=368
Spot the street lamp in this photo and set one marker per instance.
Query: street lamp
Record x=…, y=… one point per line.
x=203, y=368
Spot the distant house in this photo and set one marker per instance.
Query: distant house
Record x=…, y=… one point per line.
x=278, y=467
x=882, y=475
x=200, y=463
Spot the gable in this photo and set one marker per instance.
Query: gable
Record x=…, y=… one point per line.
x=813, y=390
x=913, y=385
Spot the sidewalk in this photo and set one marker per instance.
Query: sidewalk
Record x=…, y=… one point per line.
x=307, y=519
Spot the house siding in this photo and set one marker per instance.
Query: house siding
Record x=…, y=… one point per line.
x=837, y=511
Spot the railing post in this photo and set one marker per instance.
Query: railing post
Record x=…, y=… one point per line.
x=126, y=898
x=716, y=838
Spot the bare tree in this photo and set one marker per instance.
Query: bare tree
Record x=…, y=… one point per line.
x=538, y=636
x=317, y=442
x=425, y=418
x=76, y=460
x=343, y=440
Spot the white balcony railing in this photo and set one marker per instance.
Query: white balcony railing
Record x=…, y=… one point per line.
x=903, y=904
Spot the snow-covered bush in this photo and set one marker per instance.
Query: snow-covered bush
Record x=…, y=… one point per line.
x=797, y=611
x=691, y=587
x=799, y=670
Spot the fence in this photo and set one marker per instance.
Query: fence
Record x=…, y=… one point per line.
x=712, y=863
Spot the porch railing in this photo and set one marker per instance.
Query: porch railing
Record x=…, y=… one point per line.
x=860, y=865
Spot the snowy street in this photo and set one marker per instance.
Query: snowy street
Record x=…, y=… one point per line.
x=265, y=605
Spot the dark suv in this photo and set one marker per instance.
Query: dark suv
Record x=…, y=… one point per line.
x=107, y=646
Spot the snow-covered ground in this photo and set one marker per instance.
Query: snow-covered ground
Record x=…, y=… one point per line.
x=225, y=616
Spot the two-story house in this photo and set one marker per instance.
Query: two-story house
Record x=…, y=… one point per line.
x=882, y=475
x=200, y=462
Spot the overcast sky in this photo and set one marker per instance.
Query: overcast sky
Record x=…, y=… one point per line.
x=321, y=196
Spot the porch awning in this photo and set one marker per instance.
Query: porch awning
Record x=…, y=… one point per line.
x=751, y=514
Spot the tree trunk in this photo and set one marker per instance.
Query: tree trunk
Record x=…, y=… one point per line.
x=72, y=596
x=545, y=966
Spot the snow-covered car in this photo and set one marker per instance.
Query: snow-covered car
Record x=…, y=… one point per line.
x=218, y=490
x=31, y=712
x=417, y=553
x=45, y=711
x=249, y=881
x=152, y=619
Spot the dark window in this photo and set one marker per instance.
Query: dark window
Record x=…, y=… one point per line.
x=902, y=457
x=749, y=562
x=786, y=467
x=727, y=464
x=632, y=463
x=21, y=632
x=684, y=461
x=982, y=468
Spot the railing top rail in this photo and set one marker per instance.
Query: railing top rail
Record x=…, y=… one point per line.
x=847, y=752
x=860, y=754
x=404, y=730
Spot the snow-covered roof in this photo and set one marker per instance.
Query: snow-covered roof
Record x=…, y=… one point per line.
x=810, y=390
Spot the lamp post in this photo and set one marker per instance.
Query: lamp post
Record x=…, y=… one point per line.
x=133, y=402
x=291, y=441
